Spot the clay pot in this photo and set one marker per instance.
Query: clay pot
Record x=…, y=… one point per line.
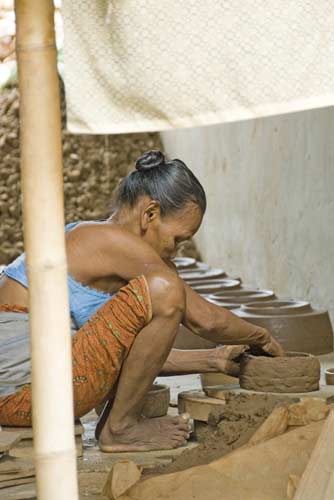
x=157, y=401
x=293, y=373
x=296, y=325
x=329, y=376
x=205, y=287
x=234, y=298
x=217, y=378
x=201, y=273
x=197, y=267
x=184, y=263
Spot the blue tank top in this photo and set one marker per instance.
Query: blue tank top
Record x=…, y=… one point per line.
x=84, y=301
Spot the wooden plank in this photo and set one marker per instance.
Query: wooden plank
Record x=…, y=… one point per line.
x=25, y=448
x=16, y=482
x=8, y=440
x=21, y=492
x=26, y=432
x=10, y=465
x=17, y=475
x=317, y=481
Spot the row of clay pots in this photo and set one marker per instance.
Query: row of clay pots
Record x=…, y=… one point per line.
x=296, y=325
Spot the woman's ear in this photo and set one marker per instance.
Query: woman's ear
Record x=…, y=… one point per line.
x=150, y=214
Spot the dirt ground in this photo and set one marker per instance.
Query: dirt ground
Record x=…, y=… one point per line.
x=92, y=164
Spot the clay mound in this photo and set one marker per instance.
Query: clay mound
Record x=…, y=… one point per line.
x=231, y=428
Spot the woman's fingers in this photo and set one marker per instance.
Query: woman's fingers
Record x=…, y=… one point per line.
x=232, y=368
x=273, y=347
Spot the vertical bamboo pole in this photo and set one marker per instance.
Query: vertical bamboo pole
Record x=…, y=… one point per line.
x=43, y=212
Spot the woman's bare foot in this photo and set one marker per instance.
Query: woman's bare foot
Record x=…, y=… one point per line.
x=163, y=433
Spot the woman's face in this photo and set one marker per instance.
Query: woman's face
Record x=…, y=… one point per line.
x=166, y=233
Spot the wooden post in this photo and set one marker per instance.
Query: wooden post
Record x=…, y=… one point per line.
x=43, y=215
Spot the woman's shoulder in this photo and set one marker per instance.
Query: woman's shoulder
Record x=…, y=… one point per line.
x=104, y=237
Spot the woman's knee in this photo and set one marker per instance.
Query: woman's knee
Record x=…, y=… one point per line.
x=167, y=294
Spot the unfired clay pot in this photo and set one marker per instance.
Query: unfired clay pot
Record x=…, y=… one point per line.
x=157, y=401
x=197, y=267
x=217, y=378
x=205, y=287
x=194, y=275
x=234, y=298
x=293, y=373
x=296, y=325
x=184, y=262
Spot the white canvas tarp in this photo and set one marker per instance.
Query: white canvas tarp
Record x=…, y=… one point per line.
x=155, y=65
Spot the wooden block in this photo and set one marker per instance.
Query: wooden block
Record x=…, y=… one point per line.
x=198, y=405
x=123, y=475
x=8, y=440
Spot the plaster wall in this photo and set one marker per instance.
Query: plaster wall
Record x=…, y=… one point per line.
x=270, y=189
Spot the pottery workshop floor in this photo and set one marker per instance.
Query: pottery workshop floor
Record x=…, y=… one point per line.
x=94, y=465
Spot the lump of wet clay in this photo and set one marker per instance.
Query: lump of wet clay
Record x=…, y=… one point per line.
x=308, y=410
x=294, y=372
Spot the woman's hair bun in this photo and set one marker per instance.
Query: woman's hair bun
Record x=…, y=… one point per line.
x=150, y=159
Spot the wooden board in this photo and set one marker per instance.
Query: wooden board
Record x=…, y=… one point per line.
x=10, y=465
x=25, y=448
x=96, y=461
x=18, y=475
x=21, y=492
x=16, y=482
x=325, y=392
x=26, y=432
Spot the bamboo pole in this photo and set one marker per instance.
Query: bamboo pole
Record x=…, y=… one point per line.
x=43, y=215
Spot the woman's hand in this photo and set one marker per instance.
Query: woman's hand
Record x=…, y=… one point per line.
x=227, y=358
x=263, y=339
x=270, y=345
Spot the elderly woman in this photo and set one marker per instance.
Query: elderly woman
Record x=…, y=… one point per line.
x=126, y=303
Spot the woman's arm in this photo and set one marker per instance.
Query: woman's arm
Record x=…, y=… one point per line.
x=221, y=359
x=222, y=326
x=111, y=251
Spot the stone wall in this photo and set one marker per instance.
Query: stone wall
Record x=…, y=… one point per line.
x=270, y=188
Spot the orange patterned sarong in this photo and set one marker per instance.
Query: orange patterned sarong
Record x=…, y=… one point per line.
x=98, y=351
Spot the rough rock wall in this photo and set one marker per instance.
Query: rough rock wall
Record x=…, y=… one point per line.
x=93, y=166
